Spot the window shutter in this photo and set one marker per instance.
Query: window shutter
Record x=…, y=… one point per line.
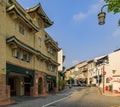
x=15, y=52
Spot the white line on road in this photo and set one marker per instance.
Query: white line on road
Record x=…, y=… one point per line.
x=54, y=102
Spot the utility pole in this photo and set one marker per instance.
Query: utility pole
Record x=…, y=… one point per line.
x=103, y=73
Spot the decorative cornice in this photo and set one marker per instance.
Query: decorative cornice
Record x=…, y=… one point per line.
x=13, y=39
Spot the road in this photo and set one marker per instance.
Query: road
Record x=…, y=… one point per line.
x=75, y=97
x=87, y=97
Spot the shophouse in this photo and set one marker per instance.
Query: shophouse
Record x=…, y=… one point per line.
x=28, y=56
x=69, y=75
x=91, y=72
x=109, y=71
x=77, y=74
x=84, y=73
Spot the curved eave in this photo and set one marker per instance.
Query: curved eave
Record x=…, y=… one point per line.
x=47, y=22
x=28, y=21
x=53, y=62
x=49, y=60
x=48, y=41
x=38, y=9
x=32, y=9
x=13, y=39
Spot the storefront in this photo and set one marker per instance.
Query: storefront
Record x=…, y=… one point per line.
x=50, y=83
x=20, y=80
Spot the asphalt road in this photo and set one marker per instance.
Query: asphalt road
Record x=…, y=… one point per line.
x=75, y=97
x=87, y=97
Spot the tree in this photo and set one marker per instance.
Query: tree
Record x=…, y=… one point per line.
x=113, y=6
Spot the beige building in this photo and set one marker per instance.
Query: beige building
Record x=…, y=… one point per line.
x=91, y=72
x=29, y=60
x=70, y=75
x=67, y=75
x=83, y=73
x=78, y=73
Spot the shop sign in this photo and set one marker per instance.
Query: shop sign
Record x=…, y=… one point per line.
x=104, y=73
x=50, y=77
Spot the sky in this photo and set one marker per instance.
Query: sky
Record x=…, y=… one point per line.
x=76, y=28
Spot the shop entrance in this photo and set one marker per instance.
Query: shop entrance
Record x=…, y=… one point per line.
x=20, y=84
x=50, y=85
x=14, y=81
x=27, y=85
x=39, y=85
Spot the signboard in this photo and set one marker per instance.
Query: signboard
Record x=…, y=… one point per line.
x=104, y=73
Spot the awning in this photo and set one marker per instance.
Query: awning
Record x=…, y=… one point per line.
x=53, y=78
x=20, y=70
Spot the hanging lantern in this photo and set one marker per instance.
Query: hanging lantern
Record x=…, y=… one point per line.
x=101, y=18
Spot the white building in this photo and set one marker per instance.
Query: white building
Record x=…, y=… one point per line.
x=60, y=60
x=109, y=65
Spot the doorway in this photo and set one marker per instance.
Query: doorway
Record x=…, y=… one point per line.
x=13, y=85
x=27, y=84
x=39, y=85
x=20, y=84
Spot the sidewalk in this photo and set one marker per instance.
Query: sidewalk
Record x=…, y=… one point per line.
x=6, y=102
x=24, y=99
x=18, y=99
x=109, y=93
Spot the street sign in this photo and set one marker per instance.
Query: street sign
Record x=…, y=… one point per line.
x=104, y=73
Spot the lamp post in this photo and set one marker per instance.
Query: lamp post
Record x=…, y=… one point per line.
x=101, y=16
x=104, y=73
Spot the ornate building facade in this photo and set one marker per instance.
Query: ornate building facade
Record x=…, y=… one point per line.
x=28, y=56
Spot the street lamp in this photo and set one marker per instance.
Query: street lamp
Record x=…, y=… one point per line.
x=101, y=16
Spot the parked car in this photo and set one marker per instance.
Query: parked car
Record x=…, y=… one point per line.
x=67, y=86
x=84, y=85
x=76, y=85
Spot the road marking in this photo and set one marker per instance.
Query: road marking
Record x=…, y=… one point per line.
x=54, y=102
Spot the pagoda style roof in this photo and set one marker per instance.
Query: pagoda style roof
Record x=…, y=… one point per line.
x=38, y=9
x=22, y=15
x=14, y=40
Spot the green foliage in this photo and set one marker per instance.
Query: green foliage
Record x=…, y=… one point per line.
x=119, y=22
x=113, y=5
x=60, y=84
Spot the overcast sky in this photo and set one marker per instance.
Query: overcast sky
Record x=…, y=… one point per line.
x=76, y=28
